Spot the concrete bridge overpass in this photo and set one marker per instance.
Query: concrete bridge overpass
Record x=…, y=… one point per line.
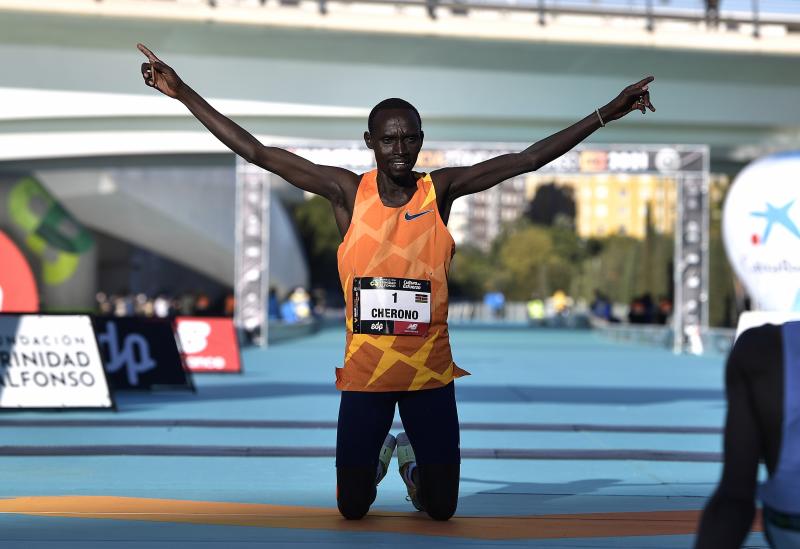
x=71, y=84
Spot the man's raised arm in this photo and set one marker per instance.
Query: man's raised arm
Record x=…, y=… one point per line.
x=452, y=183
x=325, y=181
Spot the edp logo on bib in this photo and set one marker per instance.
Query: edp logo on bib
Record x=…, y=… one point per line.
x=761, y=231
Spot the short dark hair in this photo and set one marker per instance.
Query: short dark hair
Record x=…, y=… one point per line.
x=393, y=103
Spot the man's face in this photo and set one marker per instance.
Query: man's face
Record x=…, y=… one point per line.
x=396, y=140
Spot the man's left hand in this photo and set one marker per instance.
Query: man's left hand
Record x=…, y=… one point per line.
x=634, y=97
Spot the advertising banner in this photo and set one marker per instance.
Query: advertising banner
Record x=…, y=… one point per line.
x=761, y=231
x=51, y=362
x=18, y=293
x=141, y=354
x=60, y=251
x=208, y=344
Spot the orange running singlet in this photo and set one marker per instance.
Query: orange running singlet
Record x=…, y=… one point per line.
x=399, y=259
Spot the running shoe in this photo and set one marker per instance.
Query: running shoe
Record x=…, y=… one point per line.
x=406, y=458
x=385, y=457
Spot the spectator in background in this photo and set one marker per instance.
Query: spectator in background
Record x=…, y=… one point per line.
x=535, y=310
x=186, y=305
x=301, y=301
x=642, y=310
x=495, y=302
x=664, y=312
x=649, y=308
x=273, y=305
x=104, y=305
x=202, y=306
x=601, y=306
x=161, y=306
x=164, y=305
x=636, y=314
x=117, y=305
x=148, y=308
x=229, y=306
x=288, y=314
x=122, y=305
x=561, y=303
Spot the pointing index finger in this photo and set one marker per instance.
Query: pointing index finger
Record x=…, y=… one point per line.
x=150, y=55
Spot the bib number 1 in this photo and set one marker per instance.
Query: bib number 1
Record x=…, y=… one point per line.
x=391, y=306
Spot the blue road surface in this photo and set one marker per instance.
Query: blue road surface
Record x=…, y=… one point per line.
x=569, y=440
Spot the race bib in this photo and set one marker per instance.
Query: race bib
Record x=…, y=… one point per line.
x=391, y=306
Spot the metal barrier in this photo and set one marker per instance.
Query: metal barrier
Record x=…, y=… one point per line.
x=731, y=12
x=470, y=312
x=714, y=341
x=513, y=314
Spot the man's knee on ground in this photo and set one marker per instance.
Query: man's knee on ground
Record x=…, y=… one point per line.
x=355, y=491
x=439, y=490
x=440, y=508
x=353, y=508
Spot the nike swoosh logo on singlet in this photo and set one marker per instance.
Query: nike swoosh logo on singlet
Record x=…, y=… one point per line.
x=409, y=216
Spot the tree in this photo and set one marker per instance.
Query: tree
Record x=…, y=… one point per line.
x=550, y=202
x=613, y=270
x=471, y=273
x=721, y=295
x=320, y=236
x=529, y=263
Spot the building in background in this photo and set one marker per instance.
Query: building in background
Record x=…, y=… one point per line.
x=615, y=204
x=479, y=218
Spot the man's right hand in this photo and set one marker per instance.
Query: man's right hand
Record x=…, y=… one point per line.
x=337, y=185
x=159, y=75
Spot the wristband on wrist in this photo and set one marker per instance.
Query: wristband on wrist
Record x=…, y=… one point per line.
x=603, y=124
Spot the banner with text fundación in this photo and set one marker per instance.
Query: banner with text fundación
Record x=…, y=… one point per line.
x=51, y=362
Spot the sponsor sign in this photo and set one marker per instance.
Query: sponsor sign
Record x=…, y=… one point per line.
x=391, y=306
x=17, y=285
x=208, y=344
x=51, y=362
x=141, y=353
x=585, y=158
x=60, y=251
x=761, y=231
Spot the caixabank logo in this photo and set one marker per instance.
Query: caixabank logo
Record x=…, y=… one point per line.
x=761, y=231
x=775, y=216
